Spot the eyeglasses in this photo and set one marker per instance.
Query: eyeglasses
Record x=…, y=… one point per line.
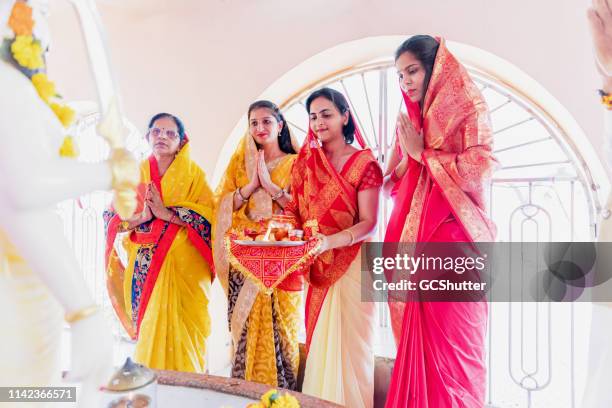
x=169, y=133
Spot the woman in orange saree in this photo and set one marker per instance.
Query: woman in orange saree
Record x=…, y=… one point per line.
x=335, y=197
x=160, y=290
x=437, y=177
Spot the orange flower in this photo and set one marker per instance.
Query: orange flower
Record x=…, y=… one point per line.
x=21, y=21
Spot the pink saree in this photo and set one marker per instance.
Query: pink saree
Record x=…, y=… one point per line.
x=441, y=352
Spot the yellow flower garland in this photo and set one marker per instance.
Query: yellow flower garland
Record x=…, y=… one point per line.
x=273, y=399
x=44, y=87
x=28, y=53
x=64, y=113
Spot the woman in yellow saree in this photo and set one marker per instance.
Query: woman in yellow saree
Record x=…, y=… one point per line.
x=336, y=192
x=255, y=186
x=161, y=295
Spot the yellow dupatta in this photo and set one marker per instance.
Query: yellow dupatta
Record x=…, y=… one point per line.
x=174, y=295
x=260, y=206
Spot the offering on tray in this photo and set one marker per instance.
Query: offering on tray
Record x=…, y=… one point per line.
x=296, y=235
x=272, y=263
x=279, y=229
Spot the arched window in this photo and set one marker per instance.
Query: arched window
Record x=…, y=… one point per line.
x=544, y=191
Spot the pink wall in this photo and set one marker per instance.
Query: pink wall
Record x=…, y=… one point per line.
x=207, y=60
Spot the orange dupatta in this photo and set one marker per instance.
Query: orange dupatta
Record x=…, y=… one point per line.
x=326, y=201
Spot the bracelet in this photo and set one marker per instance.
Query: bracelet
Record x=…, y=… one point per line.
x=352, y=237
x=278, y=195
x=240, y=196
x=80, y=314
x=173, y=218
x=606, y=99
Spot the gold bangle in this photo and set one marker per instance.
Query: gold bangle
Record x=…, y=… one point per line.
x=352, y=237
x=244, y=200
x=278, y=195
x=80, y=314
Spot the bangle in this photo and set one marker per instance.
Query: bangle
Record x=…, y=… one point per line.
x=173, y=218
x=606, y=99
x=278, y=195
x=244, y=200
x=80, y=314
x=352, y=237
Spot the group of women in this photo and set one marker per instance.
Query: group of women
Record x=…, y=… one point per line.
x=159, y=274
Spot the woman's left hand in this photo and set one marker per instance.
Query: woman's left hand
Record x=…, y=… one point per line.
x=264, y=175
x=156, y=204
x=409, y=138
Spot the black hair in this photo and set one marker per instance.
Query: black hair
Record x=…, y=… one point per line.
x=179, y=124
x=424, y=48
x=341, y=104
x=284, y=137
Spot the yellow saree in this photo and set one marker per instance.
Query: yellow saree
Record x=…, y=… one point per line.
x=161, y=296
x=264, y=327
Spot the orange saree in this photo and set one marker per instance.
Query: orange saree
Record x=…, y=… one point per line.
x=339, y=327
x=325, y=201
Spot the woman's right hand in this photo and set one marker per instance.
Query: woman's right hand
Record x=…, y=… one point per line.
x=402, y=137
x=146, y=215
x=254, y=182
x=411, y=141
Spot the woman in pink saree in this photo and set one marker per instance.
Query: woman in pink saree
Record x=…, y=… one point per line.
x=437, y=178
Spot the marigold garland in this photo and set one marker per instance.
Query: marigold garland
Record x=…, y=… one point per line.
x=28, y=53
x=274, y=399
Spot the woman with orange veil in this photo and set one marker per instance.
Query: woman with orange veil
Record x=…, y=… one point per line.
x=437, y=177
x=335, y=197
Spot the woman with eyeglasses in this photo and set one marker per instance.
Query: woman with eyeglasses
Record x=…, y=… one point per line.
x=256, y=186
x=161, y=294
